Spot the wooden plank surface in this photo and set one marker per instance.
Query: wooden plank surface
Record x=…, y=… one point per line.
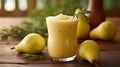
x=107, y=58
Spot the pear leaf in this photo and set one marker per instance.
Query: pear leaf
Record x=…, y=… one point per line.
x=32, y=56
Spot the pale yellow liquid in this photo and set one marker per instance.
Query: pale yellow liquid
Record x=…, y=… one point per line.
x=62, y=41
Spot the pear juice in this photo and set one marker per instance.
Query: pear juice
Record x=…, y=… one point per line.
x=62, y=40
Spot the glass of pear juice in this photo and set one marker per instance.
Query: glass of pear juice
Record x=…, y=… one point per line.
x=62, y=40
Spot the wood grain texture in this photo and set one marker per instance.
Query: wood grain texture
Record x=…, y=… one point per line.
x=107, y=58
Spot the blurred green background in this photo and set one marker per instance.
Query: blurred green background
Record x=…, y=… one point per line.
x=111, y=7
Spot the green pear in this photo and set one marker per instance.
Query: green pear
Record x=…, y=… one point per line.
x=83, y=27
x=89, y=50
x=105, y=31
x=33, y=43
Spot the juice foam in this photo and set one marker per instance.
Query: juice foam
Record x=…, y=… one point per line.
x=61, y=18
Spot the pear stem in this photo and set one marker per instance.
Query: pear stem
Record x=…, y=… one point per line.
x=96, y=64
x=12, y=48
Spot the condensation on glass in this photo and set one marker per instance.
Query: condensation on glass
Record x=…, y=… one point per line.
x=22, y=5
x=9, y=5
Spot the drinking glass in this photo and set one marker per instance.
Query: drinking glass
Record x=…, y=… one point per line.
x=62, y=40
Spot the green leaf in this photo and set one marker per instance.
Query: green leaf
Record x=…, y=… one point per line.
x=84, y=8
x=32, y=56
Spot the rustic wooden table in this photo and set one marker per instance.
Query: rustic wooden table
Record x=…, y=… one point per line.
x=109, y=55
